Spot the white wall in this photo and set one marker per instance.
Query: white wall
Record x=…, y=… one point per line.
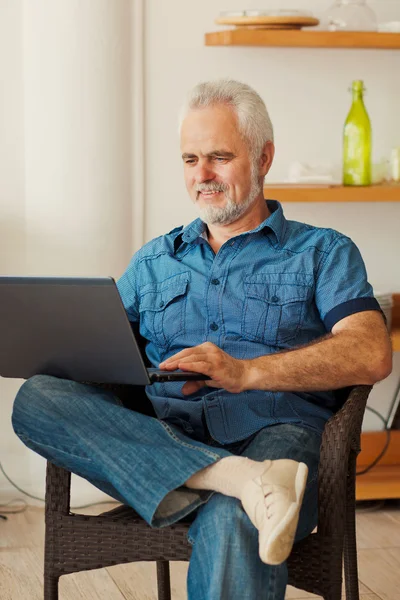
x=67, y=189
x=77, y=138
x=306, y=92
x=65, y=147
x=12, y=204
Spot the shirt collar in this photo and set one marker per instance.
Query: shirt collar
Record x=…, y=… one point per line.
x=276, y=224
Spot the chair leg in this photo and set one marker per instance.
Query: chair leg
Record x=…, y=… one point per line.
x=163, y=580
x=350, y=541
x=50, y=588
x=334, y=595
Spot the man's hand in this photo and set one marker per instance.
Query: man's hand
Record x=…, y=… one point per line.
x=224, y=370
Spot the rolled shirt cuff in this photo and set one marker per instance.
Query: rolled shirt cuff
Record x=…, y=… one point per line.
x=350, y=308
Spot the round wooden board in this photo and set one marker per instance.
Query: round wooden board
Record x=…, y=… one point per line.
x=265, y=21
x=273, y=27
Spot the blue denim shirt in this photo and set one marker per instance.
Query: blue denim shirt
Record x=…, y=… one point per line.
x=273, y=288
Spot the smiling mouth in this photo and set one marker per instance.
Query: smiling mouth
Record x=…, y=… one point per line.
x=208, y=194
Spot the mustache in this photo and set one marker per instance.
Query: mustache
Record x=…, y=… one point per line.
x=211, y=187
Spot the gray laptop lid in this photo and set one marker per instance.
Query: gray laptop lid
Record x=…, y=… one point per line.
x=73, y=328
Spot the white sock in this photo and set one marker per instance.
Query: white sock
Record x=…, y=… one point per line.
x=228, y=475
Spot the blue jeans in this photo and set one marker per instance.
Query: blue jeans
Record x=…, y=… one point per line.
x=144, y=462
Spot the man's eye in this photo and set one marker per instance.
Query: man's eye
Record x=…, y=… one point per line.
x=189, y=161
x=220, y=158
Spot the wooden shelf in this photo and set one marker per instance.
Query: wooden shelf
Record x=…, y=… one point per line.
x=303, y=38
x=383, y=481
x=333, y=193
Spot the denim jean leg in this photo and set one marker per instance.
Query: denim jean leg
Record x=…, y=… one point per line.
x=225, y=563
x=133, y=457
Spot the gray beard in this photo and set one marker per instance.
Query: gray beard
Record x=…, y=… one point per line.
x=231, y=212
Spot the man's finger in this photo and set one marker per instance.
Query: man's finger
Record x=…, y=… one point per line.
x=193, y=386
x=175, y=358
x=199, y=366
x=169, y=365
x=194, y=358
x=213, y=384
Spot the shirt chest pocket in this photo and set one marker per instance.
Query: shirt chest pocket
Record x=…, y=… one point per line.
x=163, y=309
x=275, y=306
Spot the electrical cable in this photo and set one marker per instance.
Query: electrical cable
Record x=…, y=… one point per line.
x=25, y=505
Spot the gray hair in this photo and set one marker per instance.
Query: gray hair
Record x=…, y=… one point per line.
x=254, y=121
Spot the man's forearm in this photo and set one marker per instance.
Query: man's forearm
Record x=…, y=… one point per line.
x=332, y=362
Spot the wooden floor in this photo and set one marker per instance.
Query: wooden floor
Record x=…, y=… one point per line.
x=21, y=549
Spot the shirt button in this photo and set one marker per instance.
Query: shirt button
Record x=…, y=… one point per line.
x=161, y=304
x=213, y=326
x=215, y=281
x=274, y=299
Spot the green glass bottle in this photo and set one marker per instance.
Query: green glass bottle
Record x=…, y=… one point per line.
x=357, y=141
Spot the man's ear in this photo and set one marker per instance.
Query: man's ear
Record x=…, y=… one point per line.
x=266, y=158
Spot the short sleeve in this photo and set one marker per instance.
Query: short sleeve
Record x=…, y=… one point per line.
x=127, y=288
x=342, y=287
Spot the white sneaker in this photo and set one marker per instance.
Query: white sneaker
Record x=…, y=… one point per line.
x=272, y=502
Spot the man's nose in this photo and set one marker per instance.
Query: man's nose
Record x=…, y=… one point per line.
x=204, y=173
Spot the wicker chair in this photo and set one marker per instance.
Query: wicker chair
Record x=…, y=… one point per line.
x=78, y=542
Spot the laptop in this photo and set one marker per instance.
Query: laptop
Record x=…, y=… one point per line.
x=73, y=328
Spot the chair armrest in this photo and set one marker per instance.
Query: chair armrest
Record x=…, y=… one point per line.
x=344, y=427
x=340, y=439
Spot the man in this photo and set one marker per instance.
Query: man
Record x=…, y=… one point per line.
x=276, y=313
